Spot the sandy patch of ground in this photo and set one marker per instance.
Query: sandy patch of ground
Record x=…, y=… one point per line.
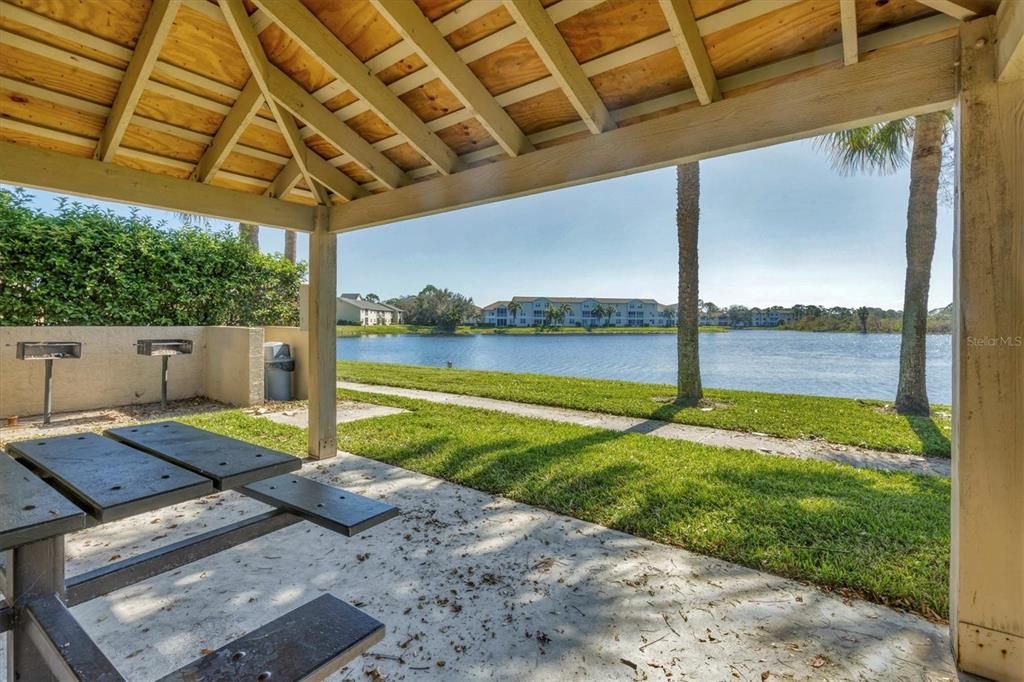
x=472, y=586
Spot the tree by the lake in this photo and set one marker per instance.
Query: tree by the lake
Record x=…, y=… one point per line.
x=862, y=315
x=884, y=148
x=372, y=298
x=436, y=307
x=688, y=385
x=513, y=310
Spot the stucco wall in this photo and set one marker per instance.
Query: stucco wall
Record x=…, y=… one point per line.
x=111, y=373
x=298, y=340
x=234, y=365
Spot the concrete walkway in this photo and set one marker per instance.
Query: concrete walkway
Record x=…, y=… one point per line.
x=476, y=587
x=803, y=449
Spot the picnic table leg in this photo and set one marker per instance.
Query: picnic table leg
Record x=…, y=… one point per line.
x=32, y=569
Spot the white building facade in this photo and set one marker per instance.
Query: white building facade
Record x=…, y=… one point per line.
x=354, y=309
x=774, y=317
x=530, y=311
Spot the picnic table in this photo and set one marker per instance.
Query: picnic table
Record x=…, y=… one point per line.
x=54, y=486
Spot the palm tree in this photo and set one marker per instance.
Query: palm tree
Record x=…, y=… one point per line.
x=883, y=148
x=688, y=390
x=862, y=315
x=250, y=234
x=289, y=244
x=513, y=309
x=563, y=310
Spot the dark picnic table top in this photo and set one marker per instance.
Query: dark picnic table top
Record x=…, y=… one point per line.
x=30, y=509
x=228, y=462
x=107, y=479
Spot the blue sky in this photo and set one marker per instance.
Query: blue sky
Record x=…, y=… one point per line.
x=778, y=226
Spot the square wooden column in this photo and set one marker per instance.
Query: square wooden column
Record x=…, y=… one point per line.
x=321, y=305
x=987, y=569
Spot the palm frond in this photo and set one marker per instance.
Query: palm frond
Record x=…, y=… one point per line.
x=880, y=148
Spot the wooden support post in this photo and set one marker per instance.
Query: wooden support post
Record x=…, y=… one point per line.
x=321, y=317
x=987, y=571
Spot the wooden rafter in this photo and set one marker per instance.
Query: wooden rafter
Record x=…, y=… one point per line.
x=683, y=25
x=561, y=63
x=263, y=72
x=318, y=40
x=241, y=114
x=415, y=28
x=285, y=180
x=913, y=80
x=848, y=20
x=1010, y=41
x=953, y=8
x=147, y=48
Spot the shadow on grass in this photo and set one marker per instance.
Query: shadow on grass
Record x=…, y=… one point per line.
x=933, y=441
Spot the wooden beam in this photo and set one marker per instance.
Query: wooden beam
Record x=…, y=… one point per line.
x=987, y=529
x=561, y=63
x=263, y=72
x=234, y=124
x=416, y=29
x=56, y=172
x=147, y=48
x=848, y=20
x=321, y=353
x=683, y=25
x=285, y=180
x=1010, y=41
x=913, y=80
x=953, y=8
x=304, y=106
x=299, y=23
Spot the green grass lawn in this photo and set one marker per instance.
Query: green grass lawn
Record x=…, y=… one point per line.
x=463, y=330
x=884, y=536
x=863, y=423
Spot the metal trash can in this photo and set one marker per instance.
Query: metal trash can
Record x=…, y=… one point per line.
x=278, y=367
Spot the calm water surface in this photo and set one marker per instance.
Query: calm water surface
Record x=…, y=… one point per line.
x=844, y=365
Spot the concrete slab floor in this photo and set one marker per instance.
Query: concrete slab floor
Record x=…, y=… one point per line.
x=475, y=587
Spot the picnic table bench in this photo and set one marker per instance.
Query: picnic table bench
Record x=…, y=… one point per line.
x=50, y=487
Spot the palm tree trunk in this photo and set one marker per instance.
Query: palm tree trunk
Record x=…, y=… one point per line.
x=925, y=166
x=249, y=233
x=289, y=245
x=689, y=390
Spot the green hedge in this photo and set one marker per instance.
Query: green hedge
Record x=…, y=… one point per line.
x=85, y=266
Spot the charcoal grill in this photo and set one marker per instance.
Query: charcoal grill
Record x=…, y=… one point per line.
x=164, y=349
x=48, y=351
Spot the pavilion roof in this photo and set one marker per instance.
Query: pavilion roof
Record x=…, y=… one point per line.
x=267, y=107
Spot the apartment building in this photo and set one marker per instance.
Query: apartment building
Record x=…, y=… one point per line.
x=531, y=311
x=771, y=318
x=354, y=309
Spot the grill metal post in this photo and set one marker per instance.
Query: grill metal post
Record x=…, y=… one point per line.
x=163, y=382
x=48, y=391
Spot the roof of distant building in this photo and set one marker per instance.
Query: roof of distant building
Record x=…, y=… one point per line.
x=362, y=304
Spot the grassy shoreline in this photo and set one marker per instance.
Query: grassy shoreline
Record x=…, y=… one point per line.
x=863, y=423
x=882, y=536
x=466, y=330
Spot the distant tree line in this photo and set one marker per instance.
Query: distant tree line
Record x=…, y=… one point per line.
x=85, y=266
x=815, y=318
x=441, y=308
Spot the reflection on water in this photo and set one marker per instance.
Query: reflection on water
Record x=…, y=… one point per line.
x=845, y=365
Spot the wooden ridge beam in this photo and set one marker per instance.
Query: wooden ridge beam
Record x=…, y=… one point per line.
x=683, y=25
x=848, y=22
x=263, y=72
x=952, y=8
x=234, y=124
x=1010, y=41
x=561, y=63
x=299, y=23
x=908, y=81
x=38, y=168
x=133, y=82
x=417, y=30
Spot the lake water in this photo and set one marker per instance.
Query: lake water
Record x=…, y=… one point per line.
x=844, y=365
